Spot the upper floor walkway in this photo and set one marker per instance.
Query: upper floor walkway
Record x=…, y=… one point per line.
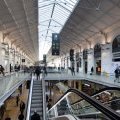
x=100, y=79
x=10, y=82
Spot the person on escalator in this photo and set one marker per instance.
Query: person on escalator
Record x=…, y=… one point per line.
x=38, y=72
x=35, y=116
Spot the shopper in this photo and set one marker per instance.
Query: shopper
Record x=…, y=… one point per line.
x=117, y=72
x=2, y=70
x=10, y=68
x=37, y=72
x=21, y=116
x=8, y=118
x=92, y=70
x=45, y=70
x=17, y=100
x=22, y=107
x=49, y=105
x=35, y=116
x=73, y=70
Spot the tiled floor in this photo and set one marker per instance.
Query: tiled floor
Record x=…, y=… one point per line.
x=12, y=110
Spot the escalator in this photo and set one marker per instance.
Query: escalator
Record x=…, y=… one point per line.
x=35, y=99
x=84, y=107
x=109, y=96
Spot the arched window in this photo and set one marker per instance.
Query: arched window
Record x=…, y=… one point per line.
x=97, y=51
x=85, y=52
x=116, y=44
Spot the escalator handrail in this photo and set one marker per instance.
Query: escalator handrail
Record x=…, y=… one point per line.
x=44, y=100
x=89, y=106
x=30, y=99
x=104, y=89
x=104, y=109
x=98, y=92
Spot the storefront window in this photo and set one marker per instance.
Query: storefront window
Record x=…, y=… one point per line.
x=85, y=52
x=116, y=44
x=97, y=51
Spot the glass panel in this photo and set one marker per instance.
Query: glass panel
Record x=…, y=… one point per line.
x=52, y=13
x=110, y=98
x=9, y=81
x=82, y=109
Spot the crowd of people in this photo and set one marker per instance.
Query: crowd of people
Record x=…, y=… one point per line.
x=38, y=70
x=21, y=105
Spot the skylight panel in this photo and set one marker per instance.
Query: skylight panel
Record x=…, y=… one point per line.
x=52, y=16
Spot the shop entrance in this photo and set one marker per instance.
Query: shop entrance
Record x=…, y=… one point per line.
x=77, y=62
x=97, y=57
x=85, y=66
x=85, y=55
x=98, y=67
x=77, y=67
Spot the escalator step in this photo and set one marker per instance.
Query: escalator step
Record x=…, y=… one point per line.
x=37, y=91
x=40, y=113
x=36, y=106
x=36, y=97
x=37, y=94
x=36, y=101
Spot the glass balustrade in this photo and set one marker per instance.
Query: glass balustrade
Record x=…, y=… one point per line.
x=79, y=107
x=111, y=98
x=9, y=81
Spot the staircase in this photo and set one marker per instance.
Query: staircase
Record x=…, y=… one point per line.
x=37, y=98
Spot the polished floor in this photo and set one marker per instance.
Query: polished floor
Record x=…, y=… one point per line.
x=12, y=110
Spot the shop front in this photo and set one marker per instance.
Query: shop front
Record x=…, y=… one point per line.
x=85, y=63
x=97, y=58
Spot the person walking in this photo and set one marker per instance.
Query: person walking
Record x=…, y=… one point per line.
x=37, y=72
x=21, y=116
x=73, y=70
x=117, y=72
x=45, y=70
x=22, y=107
x=35, y=116
x=49, y=105
x=8, y=118
x=2, y=70
x=92, y=70
x=17, y=100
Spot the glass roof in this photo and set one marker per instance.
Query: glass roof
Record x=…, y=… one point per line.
x=52, y=16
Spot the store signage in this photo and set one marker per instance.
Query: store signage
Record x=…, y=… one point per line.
x=23, y=60
x=55, y=44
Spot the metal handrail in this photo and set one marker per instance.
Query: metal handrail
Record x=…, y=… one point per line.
x=104, y=109
x=44, y=98
x=10, y=91
x=98, y=92
x=9, y=75
x=29, y=102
